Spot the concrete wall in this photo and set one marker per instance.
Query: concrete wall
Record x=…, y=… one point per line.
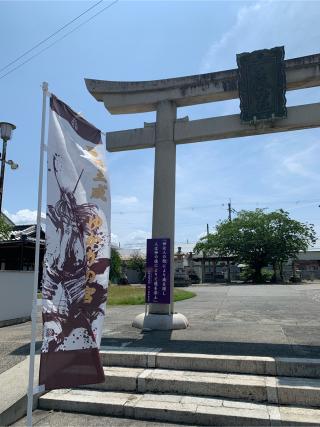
x=309, y=274
x=16, y=294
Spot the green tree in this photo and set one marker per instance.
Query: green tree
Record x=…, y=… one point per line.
x=5, y=229
x=115, y=265
x=258, y=238
x=288, y=238
x=137, y=262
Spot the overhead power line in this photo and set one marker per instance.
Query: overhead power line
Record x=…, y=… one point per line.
x=56, y=41
x=50, y=36
x=295, y=203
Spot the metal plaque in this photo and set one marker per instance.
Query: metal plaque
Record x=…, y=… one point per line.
x=158, y=271
x=262, y=84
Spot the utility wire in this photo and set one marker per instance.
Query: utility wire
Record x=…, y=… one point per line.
x=50, y=36
x=61, y=38
x=296, y=203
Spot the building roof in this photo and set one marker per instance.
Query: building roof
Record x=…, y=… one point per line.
x=126, y=253
x=185, y=247
x=28, y=230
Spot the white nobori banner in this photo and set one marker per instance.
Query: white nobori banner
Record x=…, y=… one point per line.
x=77, y=259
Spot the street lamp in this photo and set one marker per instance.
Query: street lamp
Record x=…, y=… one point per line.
x=5, y=134
x=6, y=130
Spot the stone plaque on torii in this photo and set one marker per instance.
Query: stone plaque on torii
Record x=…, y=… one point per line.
x=164, y=97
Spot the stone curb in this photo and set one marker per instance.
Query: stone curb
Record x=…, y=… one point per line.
x=10, y=322
x=303, y=392
x=154, y=358
x=13, y=386
x=178, y=409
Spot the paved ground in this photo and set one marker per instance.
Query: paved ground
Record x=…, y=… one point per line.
x=272, y=320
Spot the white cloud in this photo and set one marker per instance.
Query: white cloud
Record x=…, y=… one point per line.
x=136, y=238
x=125, y=200
x=203, y=234
x=302, y=162
x=24, y=216
x=114, y=239
x=292, y=164
x=262, y=25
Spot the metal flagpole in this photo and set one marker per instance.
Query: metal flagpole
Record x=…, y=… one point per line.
x=36, y=267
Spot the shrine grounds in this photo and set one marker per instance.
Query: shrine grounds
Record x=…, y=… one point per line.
x=264, y=320
x=261, y=320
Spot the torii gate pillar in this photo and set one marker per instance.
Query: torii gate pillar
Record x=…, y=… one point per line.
x=162, y=316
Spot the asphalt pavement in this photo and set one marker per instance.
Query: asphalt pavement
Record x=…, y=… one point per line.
x=266, y=320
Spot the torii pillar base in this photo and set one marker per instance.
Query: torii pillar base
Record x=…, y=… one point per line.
x=160, y=322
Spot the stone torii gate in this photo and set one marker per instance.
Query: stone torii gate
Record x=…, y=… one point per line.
x=164, y=97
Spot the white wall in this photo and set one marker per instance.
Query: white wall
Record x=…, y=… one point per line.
x=16, y=294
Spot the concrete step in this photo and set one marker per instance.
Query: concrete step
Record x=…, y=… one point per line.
x=154, y=358
x=252, y=388
x=177, y=408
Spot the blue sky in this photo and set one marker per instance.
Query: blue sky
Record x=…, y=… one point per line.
x=146, y=40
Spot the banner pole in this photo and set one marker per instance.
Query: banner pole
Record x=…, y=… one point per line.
x=37, y=256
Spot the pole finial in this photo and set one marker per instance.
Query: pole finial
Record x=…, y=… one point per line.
x=45, y=86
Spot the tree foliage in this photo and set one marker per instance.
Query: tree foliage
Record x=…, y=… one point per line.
x=115, y=265
x=258, y=238
x=5, y=229
x=137, y=263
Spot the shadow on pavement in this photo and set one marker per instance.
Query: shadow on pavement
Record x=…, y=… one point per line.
x=162, y=339
x=24, y=350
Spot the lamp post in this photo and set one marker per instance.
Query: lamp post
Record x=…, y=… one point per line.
x=5, y=134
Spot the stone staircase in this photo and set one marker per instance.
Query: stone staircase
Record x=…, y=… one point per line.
x=199, y=389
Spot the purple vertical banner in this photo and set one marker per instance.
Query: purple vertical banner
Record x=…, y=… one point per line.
x=158, y=271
